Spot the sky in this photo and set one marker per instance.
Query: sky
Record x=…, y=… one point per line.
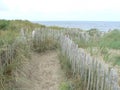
x=60, y=10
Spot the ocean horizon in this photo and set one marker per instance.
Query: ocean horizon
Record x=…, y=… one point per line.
x=84, y=25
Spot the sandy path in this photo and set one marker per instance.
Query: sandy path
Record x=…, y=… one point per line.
x=42, y=72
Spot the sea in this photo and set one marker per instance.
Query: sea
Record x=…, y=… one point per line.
x=84, y=25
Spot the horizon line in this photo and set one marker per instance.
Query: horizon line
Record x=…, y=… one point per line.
x=72, y=21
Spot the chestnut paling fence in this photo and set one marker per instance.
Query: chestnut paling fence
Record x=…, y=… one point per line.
x=8, y=52
x=94, y=73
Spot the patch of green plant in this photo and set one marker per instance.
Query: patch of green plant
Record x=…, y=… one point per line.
x=81, y=43
x=117, y=61
x=7, y=37
x=65, y=65
x=93, y=32
x=47, y=44
x=64, y=86
x=4, y=24
x=111, y=39
x=16, y=25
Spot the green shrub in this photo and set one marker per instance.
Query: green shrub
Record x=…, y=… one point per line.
x=64, y=86
x=111, y=40
x=4, y=24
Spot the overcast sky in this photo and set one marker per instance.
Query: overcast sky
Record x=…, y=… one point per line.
x=52, y=10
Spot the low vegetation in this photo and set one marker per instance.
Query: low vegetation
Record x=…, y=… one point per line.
x=93, y=41
x=13, y=51
x=111, y=40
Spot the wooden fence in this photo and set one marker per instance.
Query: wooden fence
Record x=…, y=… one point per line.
x=94, y=73
x=7, y=54
x=8, y=51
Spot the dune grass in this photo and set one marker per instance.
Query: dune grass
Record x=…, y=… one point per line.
x=111, y=39
x=101, y=45
x=10, y=36
x=41, y=46
x=9, y=44
x=96, y=45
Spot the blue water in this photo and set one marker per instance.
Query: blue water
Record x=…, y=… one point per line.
x=85, y=25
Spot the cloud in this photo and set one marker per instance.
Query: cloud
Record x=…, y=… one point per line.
x=59, y=9
x=3, y=7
